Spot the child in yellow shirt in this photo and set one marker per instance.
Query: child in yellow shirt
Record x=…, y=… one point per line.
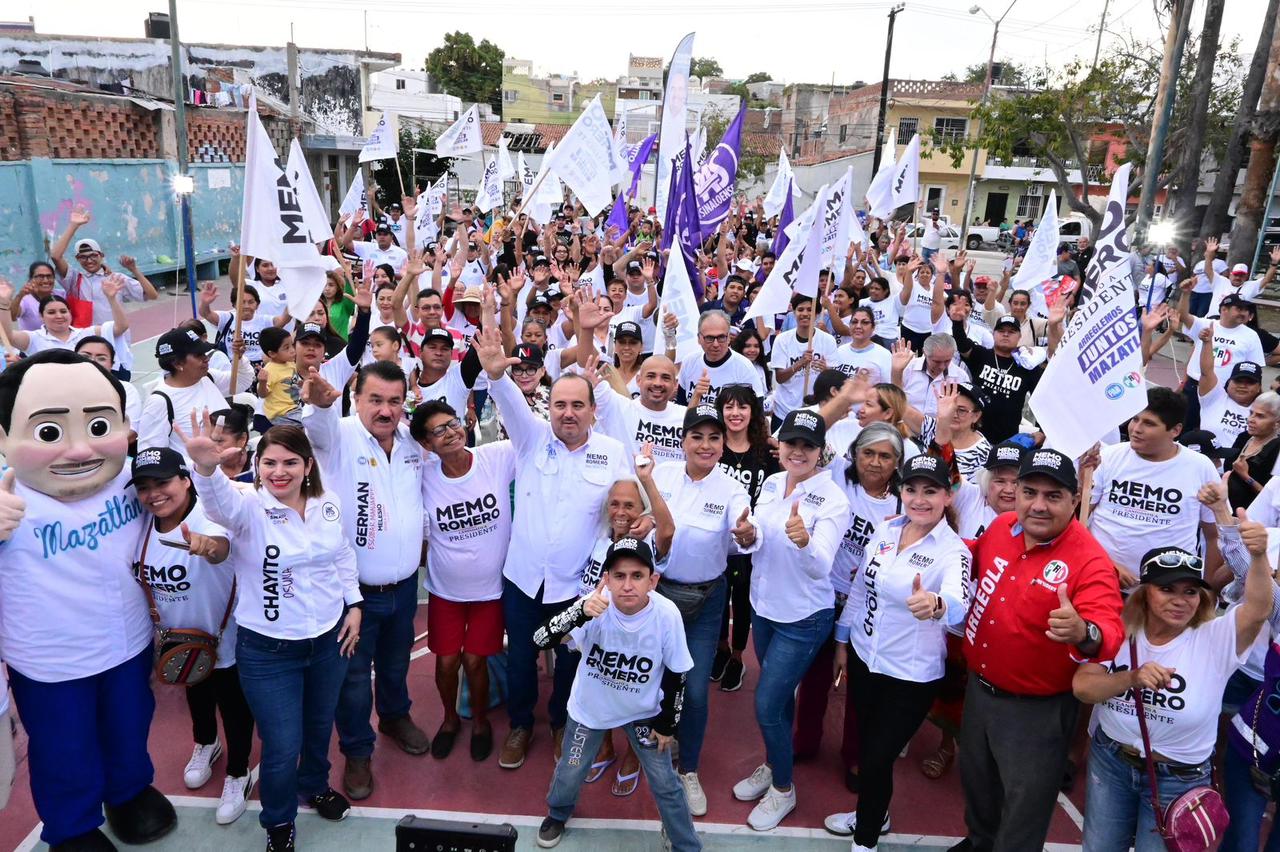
x=278, y=382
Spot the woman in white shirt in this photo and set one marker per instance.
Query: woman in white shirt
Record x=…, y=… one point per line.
x=802, y=515
x=714, y=510
x=56, y=331
x=190, y=590
x=1180, y=656
x=886, y=309
x=297, y=613
x=914, y=585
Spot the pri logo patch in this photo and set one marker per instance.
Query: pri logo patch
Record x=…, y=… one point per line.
x=1056, y=572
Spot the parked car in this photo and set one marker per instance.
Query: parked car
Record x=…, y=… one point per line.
x=980, y=235
x=950, y=236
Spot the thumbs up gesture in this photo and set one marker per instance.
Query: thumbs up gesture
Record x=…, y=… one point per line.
x=1065, y=624
x=596, y=603
x=921, y=603
x=1253, y=534
x=795, y=527
x=743, y=532
x=12, y=507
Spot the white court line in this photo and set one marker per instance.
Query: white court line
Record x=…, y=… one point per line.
x=29, y=842
x=1072, y=811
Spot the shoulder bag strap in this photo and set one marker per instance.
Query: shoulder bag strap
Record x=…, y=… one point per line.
x=144, y=582
x=1146, y=740
x=226, y=616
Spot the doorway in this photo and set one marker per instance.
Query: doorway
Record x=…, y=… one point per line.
x=997, y=204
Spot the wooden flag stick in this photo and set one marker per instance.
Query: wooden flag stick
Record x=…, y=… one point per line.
x=235, y=361
x=399, y=176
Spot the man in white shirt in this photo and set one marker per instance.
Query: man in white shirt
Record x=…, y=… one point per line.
x=931, y=242
x=1145, y=489
x=922, y=376
x=650, y=419
x=1238, y=283
x=563, y=477
x=382, y=250
x=373, y=464
x=721, y=364
x=1233, y=341
x=86, y=282
x=798, y=355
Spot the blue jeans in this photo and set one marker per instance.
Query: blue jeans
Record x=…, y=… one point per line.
x=580, y=746
x=1246, y=805
x=926, y=253
x=524, y=615
x=386, y=636
x=292, y=688
x=702, y=635
x=1199, y=303
x=88, y=743
x=785, y=650
x=1117, y=811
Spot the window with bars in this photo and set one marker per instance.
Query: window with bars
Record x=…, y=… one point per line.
x=1029, y=206
x=844, y=133
x=400, y=84
x=510, y=96
x=947, y=129
x=907, y=129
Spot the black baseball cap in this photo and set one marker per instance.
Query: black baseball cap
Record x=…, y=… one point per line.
x=395, y=205
x=540, y=302
x=1235, y=300
x=1169, y=564
x=1246, y=371
x=1202, y=441
x=704, y=413
x=634, y=266
x=541, y=260
x=528, y=353
x=804, y=425
x=553, y=292
x=972, y=394
x=627, y=329
x=1006, y=454
x=927, y=467
x=179, y=342
x=309, y=329
x=1052, y=464
x=1012, y=322
x=628, y=548
x=159, y=463
x=438, y=335
x=382, y=229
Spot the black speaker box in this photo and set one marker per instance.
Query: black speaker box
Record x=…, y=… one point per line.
x=418, y=834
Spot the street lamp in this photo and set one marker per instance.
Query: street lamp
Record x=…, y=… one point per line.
x=986, y=92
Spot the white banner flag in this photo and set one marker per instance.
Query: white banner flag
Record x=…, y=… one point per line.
x=621, y=148
x=382, y=143
x=425, y=228
x=1112, y=244
x=1041, y=260
x=675, y=104
x=585, y=159
x=906, y=175
x=489, y=195
x=506, y=171
x=677, y=299
x=549, y=195
x=272, y=225
x=463, y=136
x=810, y=260
x=880, y=192
x=313, y=212
x=527, y=176
x=837, y=211
x=355, y=198
x=698, y=146
x=777, y=195
x=784, y=281
x=436, y=195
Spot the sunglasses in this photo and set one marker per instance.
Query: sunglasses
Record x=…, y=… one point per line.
x=1174, y=559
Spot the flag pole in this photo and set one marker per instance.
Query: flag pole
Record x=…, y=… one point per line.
x=399, y=175
x=241, y=260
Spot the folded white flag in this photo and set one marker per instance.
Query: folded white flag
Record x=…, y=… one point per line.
x=506, y=170
x=777, y=195
x=463, y=136
x=585, y=159
x=906, y=175
x=313, y=212
x=355, y=199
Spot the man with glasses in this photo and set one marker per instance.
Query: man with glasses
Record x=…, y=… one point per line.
x=717, y=362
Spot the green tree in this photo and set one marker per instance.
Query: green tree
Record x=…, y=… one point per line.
x=471, y=71
x=758, y=77
x=706, y=66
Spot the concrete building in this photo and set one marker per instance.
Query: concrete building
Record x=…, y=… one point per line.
x=769, y=91
x=411, y=94
x=549, y=99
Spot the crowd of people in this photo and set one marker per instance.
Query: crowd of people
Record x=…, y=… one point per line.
x=503, y=416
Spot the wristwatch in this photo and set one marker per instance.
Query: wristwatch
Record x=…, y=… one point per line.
x=1092, y=637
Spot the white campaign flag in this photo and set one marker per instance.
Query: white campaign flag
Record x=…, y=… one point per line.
x=463, y=136
x=698, y=146
x=425, y=227
x=506, y=170
x=906, y=175
x=382, y=143
x=810, y=259
x=777, y=195
x=880, y=193
x=585, y=159
x=1041, y=260
x=799, y=227
x=620, y=147
x=836, y=213
x=675, y=107
x=355, y=198
x=489, y=195
x=313, y=212
x=775, y=296
x=527, y=176
x=272, y=225
x=677, y=299
x=548, y=196
x=436, y=194
x=1112, y=246
x=1094, y=380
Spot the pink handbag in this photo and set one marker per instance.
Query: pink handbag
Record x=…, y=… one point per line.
x=1194, y=821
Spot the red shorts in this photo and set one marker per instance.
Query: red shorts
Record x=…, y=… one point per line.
x=474, y=627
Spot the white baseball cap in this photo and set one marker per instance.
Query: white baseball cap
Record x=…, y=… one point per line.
x=87, y=245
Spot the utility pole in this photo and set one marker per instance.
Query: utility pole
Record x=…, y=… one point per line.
x=183, y=184
x=1102, y=25
x=986, y=93
x=884, y=90
x=1166, y=92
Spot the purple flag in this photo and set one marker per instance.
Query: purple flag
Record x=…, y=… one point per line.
x=618, y=215
x=788, y=213
x=716, y=179
x=637, y=158
x=688, y=224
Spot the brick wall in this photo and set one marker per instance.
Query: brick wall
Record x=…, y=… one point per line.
x=215, y=137
x=10, y=139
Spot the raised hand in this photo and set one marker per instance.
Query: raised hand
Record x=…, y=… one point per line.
x=596, y=602
x=80, y=216
x=1065, y=624
x=743, y=532
x=494, y=359
x=208, y=293
x=644, y=463
x=6, y=290
x=12, y=507
x=1252, y=533
x=795, y=527
x=364, y=295
x=128, y=262
x=1206, y=334
x=1151, y=319
x=199, y=444
x=902, y=354
x=318, y=392
x=415, y=265
x=1211, y=245
x=1275, y=256
x=921, y=603
x=649, y=268
x=112, y=285
x=948, y=397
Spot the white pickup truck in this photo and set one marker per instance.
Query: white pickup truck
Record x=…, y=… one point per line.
x=980, y=235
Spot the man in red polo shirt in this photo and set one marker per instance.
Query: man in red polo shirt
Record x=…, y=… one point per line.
x=1046, y=600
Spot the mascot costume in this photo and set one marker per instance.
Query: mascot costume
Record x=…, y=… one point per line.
x=74, y=627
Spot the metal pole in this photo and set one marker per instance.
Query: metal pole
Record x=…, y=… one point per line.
x=1179, y=24
x=180, y=132
x=1102, y=25
x=973, y=166
x=1266, y=217
x=884, y=91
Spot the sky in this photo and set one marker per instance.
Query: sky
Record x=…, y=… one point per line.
x=796, y=41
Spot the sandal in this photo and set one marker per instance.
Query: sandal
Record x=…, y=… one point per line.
x=625, y=785
x=598, y=768
x=937, y=764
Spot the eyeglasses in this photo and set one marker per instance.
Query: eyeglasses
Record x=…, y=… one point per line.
x=439, y=431
x=525, y=371
x=715, y=338
x=1175, y=559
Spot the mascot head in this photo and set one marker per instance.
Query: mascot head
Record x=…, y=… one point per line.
x=62, y=424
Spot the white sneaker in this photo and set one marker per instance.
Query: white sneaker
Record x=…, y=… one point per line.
x=750, y=789
x=200, y=767
x=772, y=808
x=235, y=791
x=857, y=848
x=844, y=824
x=693, y=793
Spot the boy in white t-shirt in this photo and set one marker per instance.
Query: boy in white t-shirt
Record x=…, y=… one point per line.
x=631, y=675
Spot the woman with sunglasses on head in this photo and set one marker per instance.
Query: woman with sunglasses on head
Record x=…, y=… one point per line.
x=1179, y=658
x=298, y=615
x=232, y=433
